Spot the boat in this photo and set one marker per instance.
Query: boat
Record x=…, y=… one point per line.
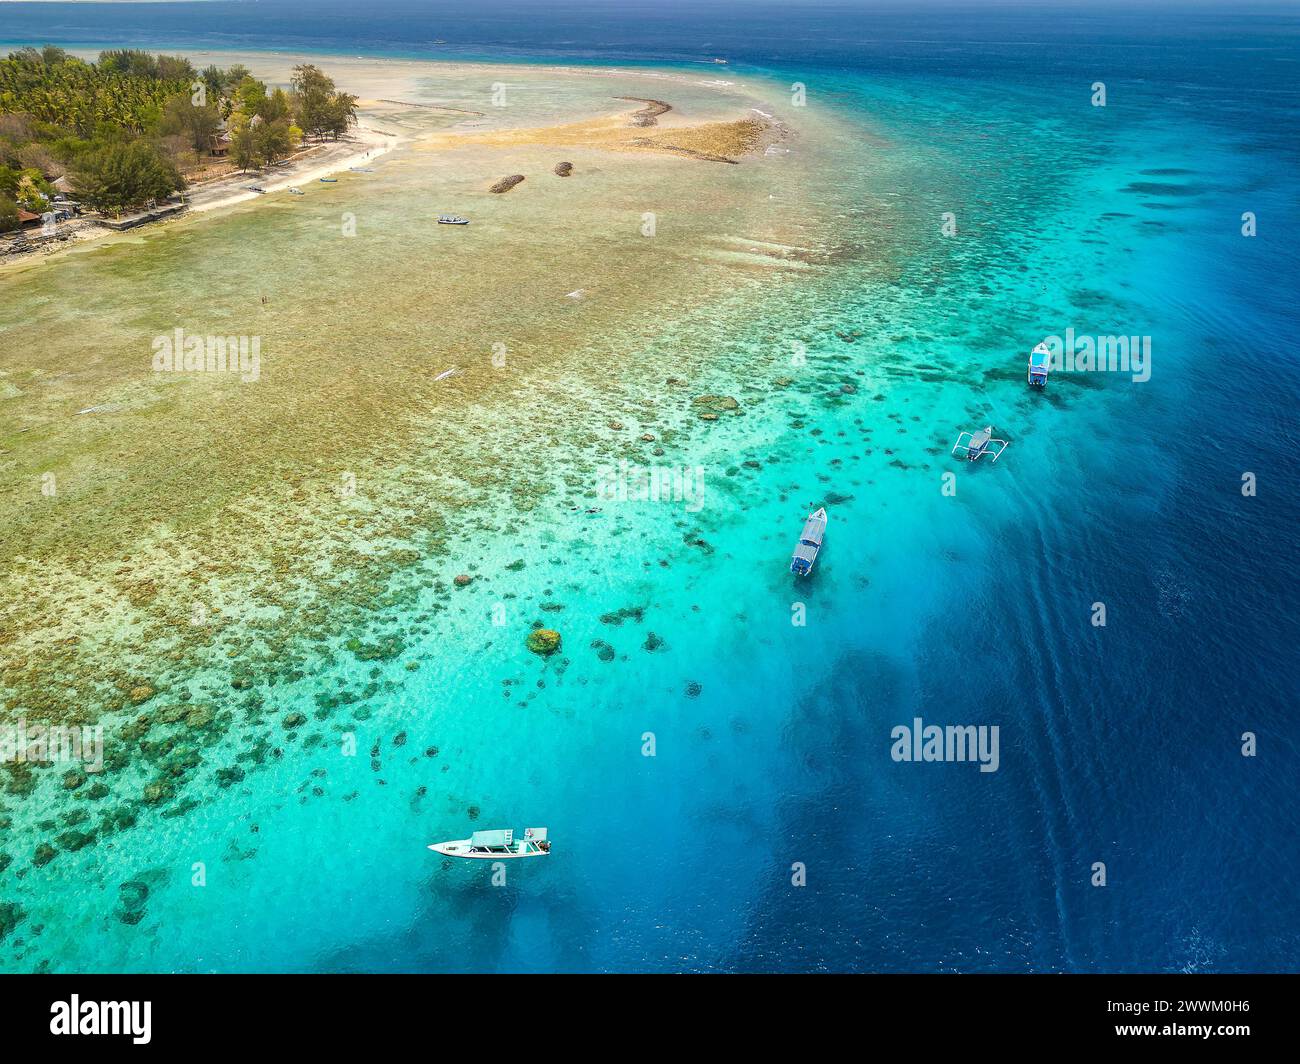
x=256, y=188
x=1040, y=365
x=294, y=190
x=329, y=180
x=445, y=374
x=497, y=845
x=810, y=542
x=360, y=170
x=452, y=219
x=977, y=444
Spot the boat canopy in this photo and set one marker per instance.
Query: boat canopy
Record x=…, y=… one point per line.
x=813, y=530
x=535, y=834
x=492, y=838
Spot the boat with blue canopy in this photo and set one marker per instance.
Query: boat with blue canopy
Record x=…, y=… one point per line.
x=1040, y=365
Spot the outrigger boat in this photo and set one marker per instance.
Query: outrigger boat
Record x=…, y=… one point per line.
x=810, y=542
x=452, y=219
x=497, y=845
x=978, y=444
x=1040, y=365
x=329, y=180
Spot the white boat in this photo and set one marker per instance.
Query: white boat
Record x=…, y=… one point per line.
x=452, y=219
x=497, y=845
x=294, y=190
x=810, y=542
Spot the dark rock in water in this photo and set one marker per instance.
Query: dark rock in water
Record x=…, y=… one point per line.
x=132, y=918
x=507, y=183
x=199, y=717
x=543, y=641
x=563, y=169
x=472, y=812
x=603, y=650
x=634, y=613
x=180, y=810
x=227, y=777
x=74, y=779
x=295, y=720
x=399, y=739
x=11, y=915
x=132, y=894
x=693, y=689
x=45, y=853
x=157, y=791
x=72, y=841
x=117, y=820
x=431, y=752
x=98, y=790
x=653, y=642
x=462, y=580
x=5, y=861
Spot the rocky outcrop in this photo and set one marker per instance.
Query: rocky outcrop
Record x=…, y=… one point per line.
x=506, y=183
x=563, y=169
x=544, y=641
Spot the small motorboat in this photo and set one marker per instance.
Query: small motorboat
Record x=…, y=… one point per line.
x=497, y=845
x=360, y=170
x=1040, y=365
x=294, y=190
x=975, y=445
x=810, y=542
x=329, y=180
x=256, y=188
x=452, y=219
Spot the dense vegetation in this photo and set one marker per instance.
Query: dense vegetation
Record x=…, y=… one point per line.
x=124, y=129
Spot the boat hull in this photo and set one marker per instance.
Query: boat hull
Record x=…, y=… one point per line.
x=461, y=848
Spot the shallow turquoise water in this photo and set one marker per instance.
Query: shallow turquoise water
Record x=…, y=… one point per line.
x=1119, y=744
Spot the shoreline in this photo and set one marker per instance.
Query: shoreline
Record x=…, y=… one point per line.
x=365, y=143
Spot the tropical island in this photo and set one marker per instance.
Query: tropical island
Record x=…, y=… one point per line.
x=133, y=128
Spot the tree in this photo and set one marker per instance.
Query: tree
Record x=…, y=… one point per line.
x=314, y=90
x=8, y=215
x=118, y=176
x=243, y=151
x=182, y=117
x=271, y=141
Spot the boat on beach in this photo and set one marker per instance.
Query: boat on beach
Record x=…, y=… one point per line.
x=452, y=219
x=497, y=845
x=329, y=180
x=294, y=190
x=810, y=542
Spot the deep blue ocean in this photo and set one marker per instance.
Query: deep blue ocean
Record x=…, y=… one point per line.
x=1121, y=744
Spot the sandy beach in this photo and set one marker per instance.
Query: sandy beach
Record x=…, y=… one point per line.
x=391, y=114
